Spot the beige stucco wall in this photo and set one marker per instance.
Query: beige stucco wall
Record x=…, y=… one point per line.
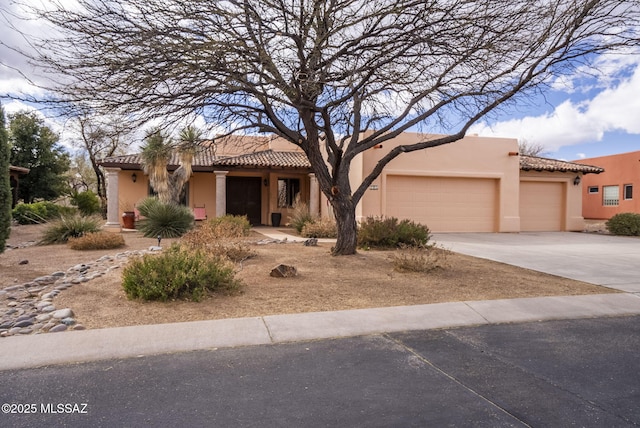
x=472, y=157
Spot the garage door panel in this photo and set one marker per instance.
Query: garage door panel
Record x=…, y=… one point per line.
x=541, y=206
x=444, y=204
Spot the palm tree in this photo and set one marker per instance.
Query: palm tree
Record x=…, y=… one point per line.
x=156, y=155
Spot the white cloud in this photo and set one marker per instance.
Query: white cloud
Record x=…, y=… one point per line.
x=581, y=155
x=616, y=108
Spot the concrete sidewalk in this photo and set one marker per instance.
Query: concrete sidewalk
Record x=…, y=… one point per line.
x=126, y=342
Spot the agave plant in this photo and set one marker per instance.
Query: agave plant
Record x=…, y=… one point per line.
x=167, y=220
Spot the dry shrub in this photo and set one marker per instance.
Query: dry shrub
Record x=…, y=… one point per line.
x=221, y=237
x=414, y=259
x=323, y=228
x=96, y=241
x=300, y=216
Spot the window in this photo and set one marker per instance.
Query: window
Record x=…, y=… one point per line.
x=593, y=189
x=628, y=191
x=610, y=195
x=288, y=190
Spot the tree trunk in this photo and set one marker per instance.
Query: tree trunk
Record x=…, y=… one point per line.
x=345, y=212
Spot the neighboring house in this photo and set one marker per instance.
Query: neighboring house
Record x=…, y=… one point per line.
x=474, y=185
x=14, y=177
x=614, y=191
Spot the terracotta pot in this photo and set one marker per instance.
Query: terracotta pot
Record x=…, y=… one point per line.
x=129, y=220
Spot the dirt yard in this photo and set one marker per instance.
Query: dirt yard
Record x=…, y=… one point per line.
x=324, y=282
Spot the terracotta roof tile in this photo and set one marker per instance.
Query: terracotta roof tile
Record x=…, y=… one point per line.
x=534, y=163
x=267, y=158
x=205, y=158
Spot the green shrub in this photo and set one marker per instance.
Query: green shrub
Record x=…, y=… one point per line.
x=40, y=212
x=69, y=226
x=97, y=241
x=166, y=220
x=300, y=216
x=377, y=232
x=178, y=273
x=87, y=202
x=323, y=228
x=228, y=226
x=627, y=224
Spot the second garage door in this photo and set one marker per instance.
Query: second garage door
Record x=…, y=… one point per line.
x=541, y=206
x=444, y=204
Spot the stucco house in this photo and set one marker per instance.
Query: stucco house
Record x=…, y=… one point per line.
x=477, y=184
x=612, y=192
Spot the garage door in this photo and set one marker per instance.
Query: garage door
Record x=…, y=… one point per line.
x=444, y=204
x=541, y=206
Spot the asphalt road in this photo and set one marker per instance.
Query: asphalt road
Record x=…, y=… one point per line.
x=544, y=374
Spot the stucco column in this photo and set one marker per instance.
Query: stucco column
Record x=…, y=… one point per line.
x=314, y=195
x=221, y=192
x=113, y=211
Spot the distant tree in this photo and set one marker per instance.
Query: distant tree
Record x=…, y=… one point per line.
x=334, y=77
x=5, y=186
x=531, y=149
x=35, y=146
x=100, y=138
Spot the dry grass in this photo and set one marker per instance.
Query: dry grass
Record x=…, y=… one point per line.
x=324, y=283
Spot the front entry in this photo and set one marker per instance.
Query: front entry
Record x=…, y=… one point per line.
x=244, y=197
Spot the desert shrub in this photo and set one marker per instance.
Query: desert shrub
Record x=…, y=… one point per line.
x=300, y=216
x=323, y=228
x=87, y=202
x=69, y=226
x=166, y=220
x=229, y=226
x=178, y=273
x=39, y=212
x=419, y=259
x=627, y=224
x=222, y=238
x=388, y=232
x=96, y=241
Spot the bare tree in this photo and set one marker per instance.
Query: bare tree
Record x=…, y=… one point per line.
x=528, y=148
x=321, y=72
x=99, y=139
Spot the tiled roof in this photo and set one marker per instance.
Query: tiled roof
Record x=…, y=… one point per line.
x=534, y=163
x=205, y=158
x=267, y=158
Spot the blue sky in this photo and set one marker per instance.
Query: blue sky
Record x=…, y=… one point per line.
x=593, y=112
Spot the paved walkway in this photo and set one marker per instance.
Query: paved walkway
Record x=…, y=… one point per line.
x=124, y=342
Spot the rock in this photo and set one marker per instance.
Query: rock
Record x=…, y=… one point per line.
x=68, y=321
x=284, y=271
x=311, y=242
x=24, y=323
x=155, y=248
x=23, y=262
x=62, y=313
x=43, y=317
x=57, y=328
x=24, y=317
x=45, y=280
x=58, y=274
x=49, y=308
x=79, y=327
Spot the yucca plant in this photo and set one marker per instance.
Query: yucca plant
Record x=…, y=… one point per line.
x=167, y=220
x=69, y=226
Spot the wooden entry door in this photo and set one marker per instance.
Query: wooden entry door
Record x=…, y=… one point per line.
x=244, y=197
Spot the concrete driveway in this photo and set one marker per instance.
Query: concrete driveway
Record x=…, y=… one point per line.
x=611, y=261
